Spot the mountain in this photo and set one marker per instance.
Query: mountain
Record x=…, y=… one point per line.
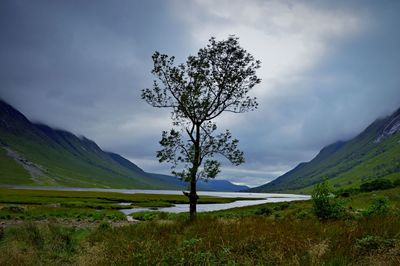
x=36, y=154
x=59, y=158
x=219, y=185
x=209, y=185
x=375, y=153
x=126, y=163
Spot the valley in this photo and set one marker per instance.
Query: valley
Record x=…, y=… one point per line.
x=57, y=192
x=36, y=154
x=199, y=133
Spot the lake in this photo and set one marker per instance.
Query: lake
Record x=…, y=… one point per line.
x=177, y=208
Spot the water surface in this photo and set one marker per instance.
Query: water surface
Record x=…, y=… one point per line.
x=261, y=199
x=177, y=208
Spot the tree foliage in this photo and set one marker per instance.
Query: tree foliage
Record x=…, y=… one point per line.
x=216, y=80
x=325, y=206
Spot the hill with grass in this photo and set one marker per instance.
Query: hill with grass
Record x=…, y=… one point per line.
x=373, y=154
x=34, y=154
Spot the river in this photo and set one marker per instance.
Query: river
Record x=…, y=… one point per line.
x=177, y=208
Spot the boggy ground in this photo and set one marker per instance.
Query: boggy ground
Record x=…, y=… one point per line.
x=29, y=204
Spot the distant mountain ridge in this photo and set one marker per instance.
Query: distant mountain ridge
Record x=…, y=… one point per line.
x=374, y=153
x=210, y=185
x=36, y=154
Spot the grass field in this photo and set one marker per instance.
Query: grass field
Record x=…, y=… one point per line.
x=268, y=234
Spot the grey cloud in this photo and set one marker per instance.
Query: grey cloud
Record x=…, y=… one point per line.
x=80, y=66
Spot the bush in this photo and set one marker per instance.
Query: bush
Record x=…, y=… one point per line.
x=378, y=184
x=303, y=214
x=264, y=211
x=282, y=206
x=379, y=206
x=347, y=192
x=324, y=205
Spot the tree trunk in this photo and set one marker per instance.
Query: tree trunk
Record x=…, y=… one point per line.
x=196, y=163
x=192, y=200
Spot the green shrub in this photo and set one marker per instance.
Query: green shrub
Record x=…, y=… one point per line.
x=379, y=206
x=347, y=192
x=282, y=206
x=378, y=184
x=264, y=211
x=320, y=197
x=303, y=214
x=324, y=204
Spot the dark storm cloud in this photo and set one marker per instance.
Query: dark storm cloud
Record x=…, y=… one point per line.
x=80, y=55
x=328, y=69
x=81, y=65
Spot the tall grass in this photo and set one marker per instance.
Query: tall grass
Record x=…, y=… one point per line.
x=209, y=241
x=33, y=244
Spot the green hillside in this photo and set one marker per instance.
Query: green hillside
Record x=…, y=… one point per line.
x=373, y=154
x=8, y=165
x=45, y=156
x=36, y=154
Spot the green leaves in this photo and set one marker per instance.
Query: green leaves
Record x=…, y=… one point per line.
x=216, y=80
x=222, y=144
x=211, y=169
x=325, y=206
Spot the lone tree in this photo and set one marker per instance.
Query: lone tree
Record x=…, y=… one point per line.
x=214, y=81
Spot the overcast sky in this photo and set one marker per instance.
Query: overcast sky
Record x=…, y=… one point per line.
x=329, y=69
